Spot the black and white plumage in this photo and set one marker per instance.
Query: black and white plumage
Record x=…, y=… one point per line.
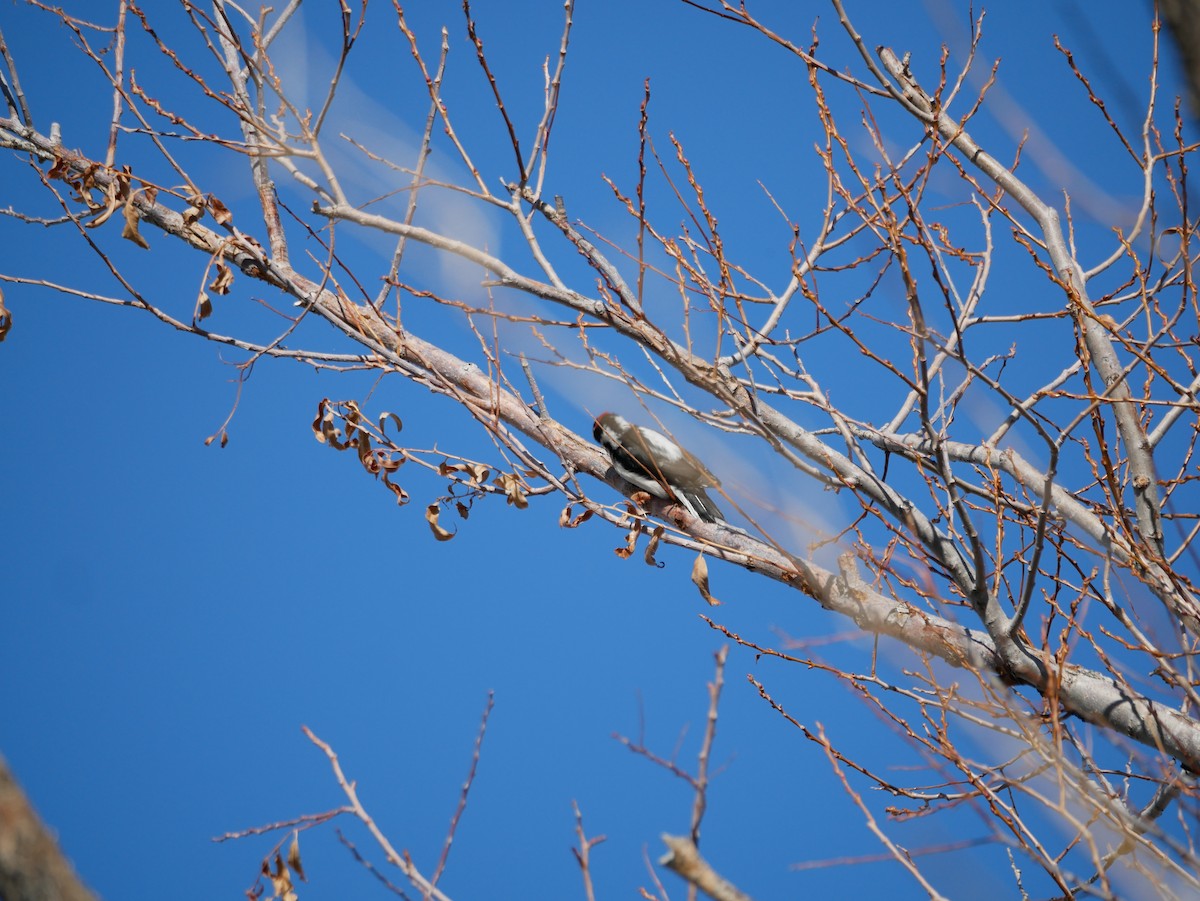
x=653, y=462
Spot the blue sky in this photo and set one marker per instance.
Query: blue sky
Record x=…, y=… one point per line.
x=176, y=612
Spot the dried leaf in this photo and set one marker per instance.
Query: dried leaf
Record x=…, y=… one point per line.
x=641, y=499
x=130, y=231
x=204, y=307
x=281, y=879
x=219, y=211
x=195, y=209
x=384, y=417
x=652, y=547
x=220, y=284
x=431, y=516
x=293, y=858
x=401, y=494
x=390, y=462
x=700, y=580
x=630, y=543
x=362, y=443
x=324, y=429
x=317, y=427
x=478, y=472
x=84, y=185
x=114, y=197
x=566, y=522
x=463, y=510
x=513, y=490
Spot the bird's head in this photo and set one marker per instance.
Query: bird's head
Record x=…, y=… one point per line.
x=610, y=425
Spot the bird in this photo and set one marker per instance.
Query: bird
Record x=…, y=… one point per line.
x=653, y=462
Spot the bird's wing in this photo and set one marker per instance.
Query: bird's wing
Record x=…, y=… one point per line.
x=683, y=466
x=703, y=476
x=658, y=446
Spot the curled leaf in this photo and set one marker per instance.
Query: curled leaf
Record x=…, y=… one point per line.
x=401, y=494
x=567, y=522
x=630, y=542
x=194, y=210
x=390, y=462
x=700, y=580
x=362, y=443
x=655, y=538
x=114, y=196
x=281, y=879
x=318, y=430
x=220, y=284
x=219, y=211
x=477, y=472
x=293, y=858
x=130, y=231
x=512, y=488
x=384, y=417
x=431, y=516
x=324, y=429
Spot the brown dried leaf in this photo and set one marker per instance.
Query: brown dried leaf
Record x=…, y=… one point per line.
x=478, y=472
x=204, y=307
x=130, y=231
x=384, y=417
x=401, y=494
x=630, y=543
x=652, y=547
x=219, y=211
x=84, y=185
x=431, y=516
x=565, y=521
x=641, y=499
x=124, y=178
x=220, y=284
x=293, y=858
x=60, y=169
x=463, y=510
x=195, y=209
x=324, y=429
x=511, y=486
x=362, y=443
x=113, y=194
x=281, y=879
x=318, y=429
x=700, y=580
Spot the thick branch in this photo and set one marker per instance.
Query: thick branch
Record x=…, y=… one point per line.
x=684, y=858
x=32, y=868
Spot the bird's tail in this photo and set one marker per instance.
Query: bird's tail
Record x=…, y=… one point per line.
x=702, y=505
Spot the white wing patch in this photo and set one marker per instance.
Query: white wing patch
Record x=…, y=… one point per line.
x=661, y=447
